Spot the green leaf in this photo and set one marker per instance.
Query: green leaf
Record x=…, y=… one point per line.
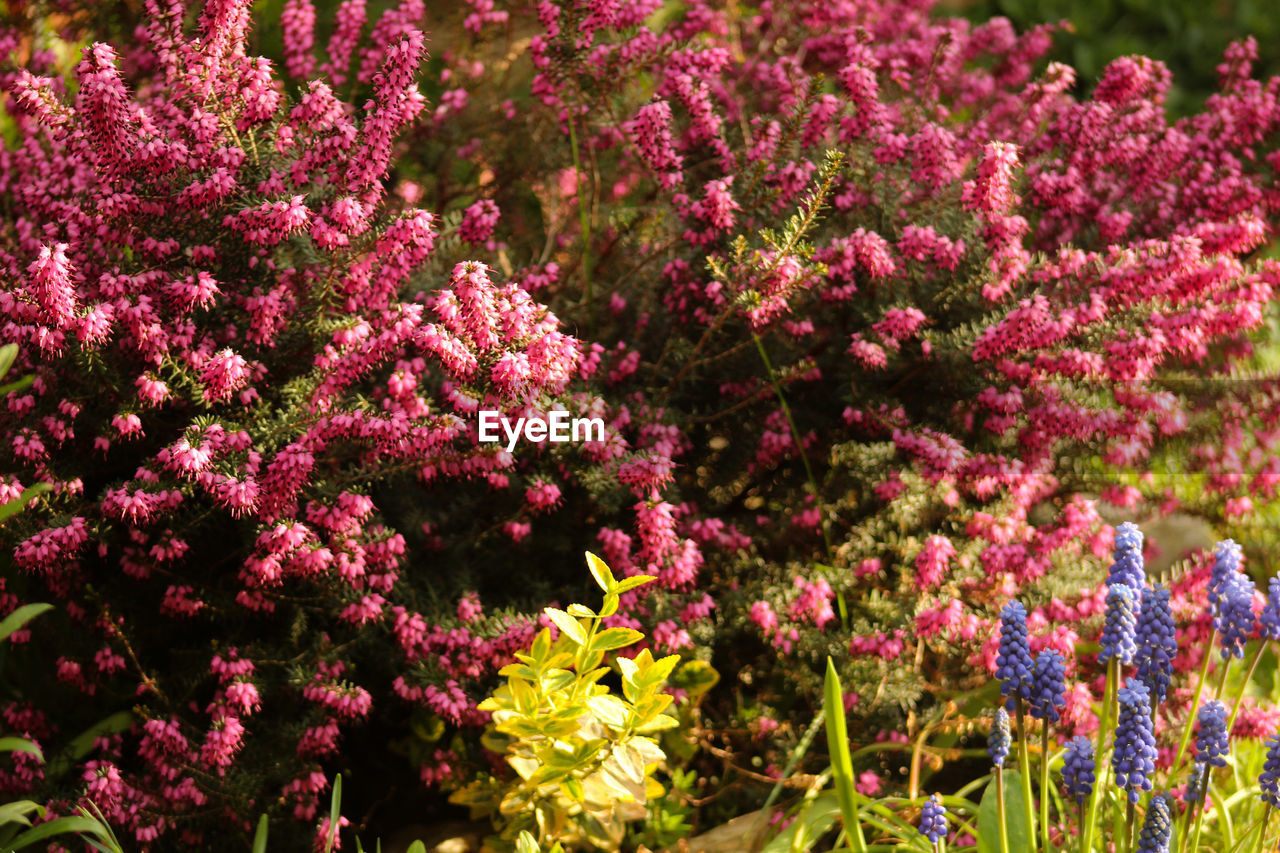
x=600, y=571
x=610, y=606
x=20, y=744
x=417, y=847
x=1015, y=817
x=58, y=826
x=335, y=803
x=525, y=843
x=695, y=677
x=260, y=837
x=15, y=506
x=20, y=617
x=628, y=584
x=17, y=811
x=816, y=817
x=8, y=353
x=616, y=638
x=581, y=611
x=569, y=626
x=841, y=764
x=83, y=742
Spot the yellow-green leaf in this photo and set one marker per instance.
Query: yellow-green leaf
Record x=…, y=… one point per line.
x=569, y=626
x=628, y=584
x=616, y=638
x=600, y=571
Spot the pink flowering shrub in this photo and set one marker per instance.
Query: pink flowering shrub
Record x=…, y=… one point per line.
x=870, y=305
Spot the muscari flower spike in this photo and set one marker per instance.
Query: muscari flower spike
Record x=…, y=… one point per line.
x=1212, y=741
x=1157, y=642
x=1226, y=565
x=1269, y=621
x=1134, y=758
x=999, y=740
x=1269, y=779
x=1157, y=829
x=1048, y=685
x=1079, y=769
x=933, y=820
x=1120, y=625
x=1191, y=794
x=1235, y=621
x=1013, y=661
x=1127, y=553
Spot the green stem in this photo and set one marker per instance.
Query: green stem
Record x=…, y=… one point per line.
x=1262, y=836
x=1128, y=826
x=1044, y=787
x=1024, y=769
x=1253, y=666
x=1000, y=811
x=1195, y=707
x=1099, y=754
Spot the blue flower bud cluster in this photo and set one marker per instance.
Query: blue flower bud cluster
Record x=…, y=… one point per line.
x=933, y=820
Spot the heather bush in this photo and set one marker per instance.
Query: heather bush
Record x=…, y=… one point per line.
x=872, y=308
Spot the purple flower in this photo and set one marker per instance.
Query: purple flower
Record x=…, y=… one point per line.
x=1048, y=685
x=1157, y=642
x=1269, y=779
x=1192, y=793
x=1270, y=619
x=1013, y=661
x=1134, y=758
x=1120, y=625
x=933, y=820
x=1157, y=829
x=1226, y=565
x=1212, y=743
x=999, y=739
x=1127, y=552
x=1235, y=620
x=1078, y=769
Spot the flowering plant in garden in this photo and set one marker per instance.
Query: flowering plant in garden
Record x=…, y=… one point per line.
x=870, y=304
x=1147, y=793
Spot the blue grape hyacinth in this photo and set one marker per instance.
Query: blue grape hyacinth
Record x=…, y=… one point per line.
x=999, y=740
x=1192, y=793
x=1212, y=741
x=933, y=820
x=1127, y=553
x=1269, y=621
x=1269, y=779
x=1134, y=758
x=1048, y=685
x=1157, y=642
x=1120, y=627
x=1157, y=829
x=1079, y=769
x=1227, y=557
x=1013, y=661
x=1235, y=622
